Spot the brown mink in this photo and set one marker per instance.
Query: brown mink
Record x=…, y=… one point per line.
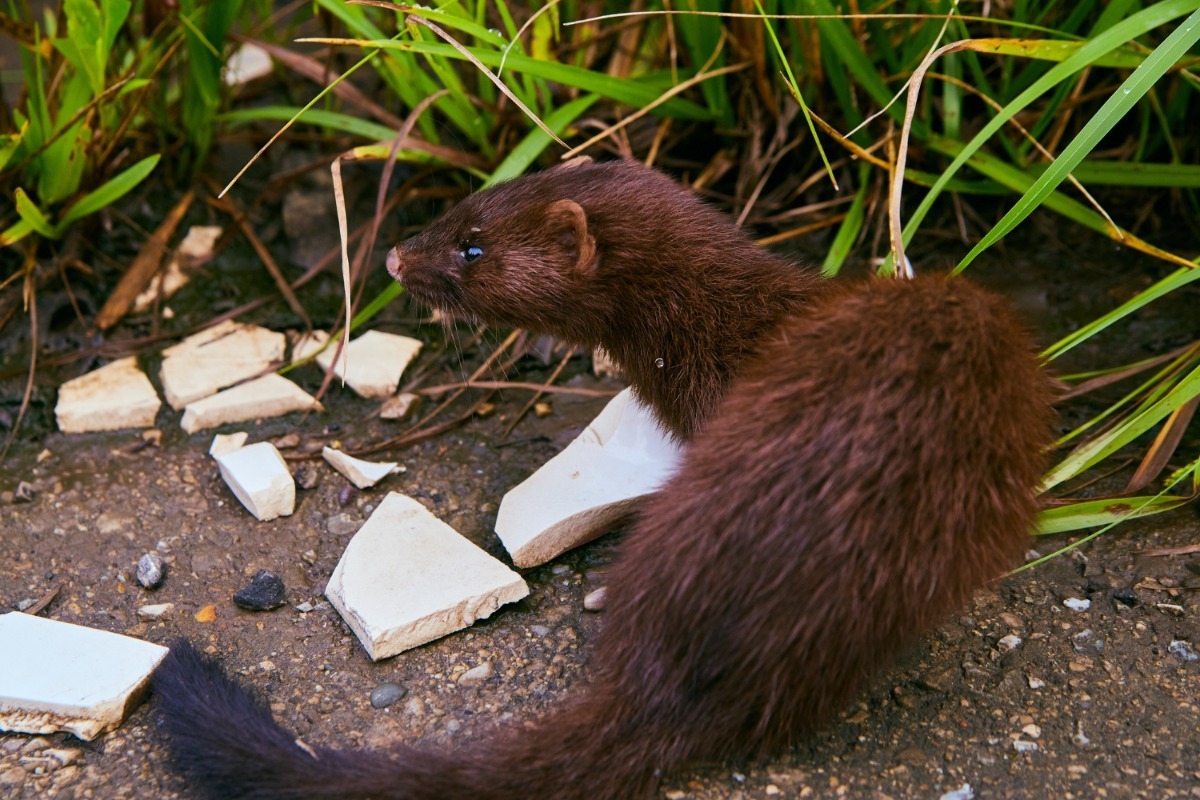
x=861, y=459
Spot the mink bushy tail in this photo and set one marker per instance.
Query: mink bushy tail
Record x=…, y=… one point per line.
x=871, y=467
x=230, y=748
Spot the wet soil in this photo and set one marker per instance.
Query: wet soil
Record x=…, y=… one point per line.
x=1027, y=694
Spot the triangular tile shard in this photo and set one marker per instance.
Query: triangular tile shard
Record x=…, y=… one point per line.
x=621, y=457
x=407, y=578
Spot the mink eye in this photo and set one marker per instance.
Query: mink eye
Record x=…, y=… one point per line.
x=470, y=252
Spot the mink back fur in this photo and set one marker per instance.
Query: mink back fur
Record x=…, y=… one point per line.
x=861, y=460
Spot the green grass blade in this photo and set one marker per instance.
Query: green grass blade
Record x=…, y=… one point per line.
x=1100, y=448
x=1092, y=513
x=1176, y=280
x=1112, y=38
x=33, y=216
x=1135, y=86
x=111, y=190
x=536, y=141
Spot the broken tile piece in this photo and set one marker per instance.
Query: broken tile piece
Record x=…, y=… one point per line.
x=621, y=457
x=116, y=396
x=260, y=478
x=227, y=442
x=363, y=474
x=269, y=396
x=217, y=357
x=195, y=249
x=307, y=345
x=407, y=578
x=373, y=362
x=55, y=676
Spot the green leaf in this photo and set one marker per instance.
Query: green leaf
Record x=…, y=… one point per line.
x=1091, y=513
x=34, y=216
x=15, y=233
x=112, y=190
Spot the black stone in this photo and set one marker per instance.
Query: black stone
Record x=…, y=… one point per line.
x=266, y=591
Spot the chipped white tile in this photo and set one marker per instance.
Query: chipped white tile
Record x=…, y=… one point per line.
x=407, y=578
x=269, y=396
x=55, y=676
x=260, y=479
x=372, y=363
x=621, y=457
x=363, y=474
x=115, y=396
x=220, y=356
x=227, y=442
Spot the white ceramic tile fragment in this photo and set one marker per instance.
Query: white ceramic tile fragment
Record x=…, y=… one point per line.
x=196, y=248
x=308, y=344
x=220, y=356
x=260, y=478
x=407, y=578
x=115, y=396
x=55, y=676
x=373, y=362
x=363, y=474
x=269, y=396
x=247, y=63
x=619, y=458
x=224, y=443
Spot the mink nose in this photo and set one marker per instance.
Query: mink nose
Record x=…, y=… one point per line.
x=394, y=264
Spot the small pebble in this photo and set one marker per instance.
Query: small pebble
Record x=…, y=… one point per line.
x=595, y=600
x=1184, y=650
x=476, y=675
x=543, y=409
x=26, y=603
x=1076, y=604
x=385, y=694
x=306, y=477
x=287, y=441
x=1022, y=746
x=964, y=792
x=306, y=607
x=1010, y=642
x=539, y=630
x=266, y=591
x=345, y=494
x=25, y=493
x=155, y=611
x=342, y=525
x=151, y=570
x=1035, y=683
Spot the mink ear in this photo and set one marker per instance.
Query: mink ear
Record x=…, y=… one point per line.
x=569, y=219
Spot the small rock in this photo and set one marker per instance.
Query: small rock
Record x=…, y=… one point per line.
x=385, y=694
x=206, y=614
x=1035, y=682
x=155, y=611
x=287, y=441
x=1022, y=746
x=539, y=630
x=400, y=406
x=596, y=599
x=342, y=525
x=415, y=707
x=964, y=792
x=265, y=592
x=151, y=571
x=476, y=675
x=1032, y=731
x=25, y=604
x=25, y=493
x=306, y=477
x=1184, y=650
x=543, y=409
x=1076, y=604
x=304, y=607
x=1010, y=642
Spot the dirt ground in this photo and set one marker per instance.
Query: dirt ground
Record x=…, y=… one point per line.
x=1021, y=696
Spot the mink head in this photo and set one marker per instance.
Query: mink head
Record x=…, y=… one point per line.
x=517, y=254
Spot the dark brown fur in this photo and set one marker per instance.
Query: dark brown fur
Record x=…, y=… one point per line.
x=858, y=465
